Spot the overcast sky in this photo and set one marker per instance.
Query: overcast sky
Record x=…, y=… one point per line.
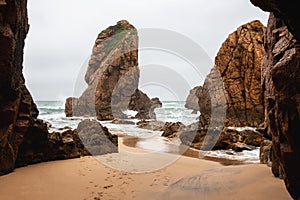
x=62, y=34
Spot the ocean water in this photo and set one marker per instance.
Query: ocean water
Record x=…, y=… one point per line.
x=171, y=111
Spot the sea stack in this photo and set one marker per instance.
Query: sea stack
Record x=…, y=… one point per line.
x=238, y=67
x=231, y=95
x=112, y=75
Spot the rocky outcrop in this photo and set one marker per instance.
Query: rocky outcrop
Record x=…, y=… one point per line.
x=18, y=111
x=192, y=100
x=145, y=106
x=237, y=76
x=227, y=139
x=231, y=95
x=172, y=129
x=151, y=125
x=112, y=77
x=90, y=138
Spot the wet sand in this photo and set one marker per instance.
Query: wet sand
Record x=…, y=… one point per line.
x=138, y=174
x=131, y=141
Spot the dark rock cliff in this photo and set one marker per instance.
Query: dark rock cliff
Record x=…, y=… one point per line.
x=281, y=85
x=24, y=139
x=18, y=111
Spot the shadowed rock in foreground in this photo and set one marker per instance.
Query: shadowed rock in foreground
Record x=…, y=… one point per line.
x=18, y=113
x=281, y=85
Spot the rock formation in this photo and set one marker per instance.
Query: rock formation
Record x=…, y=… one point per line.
x=192, y=100
x=24, y=139
x=18, y=111
x=90, y=138
x=96, y=138
x=237, y=66
x=172, y=129
x=145, y=106
x=227, y=139
x=112, y=77
x=231, y=94
x=281, y=83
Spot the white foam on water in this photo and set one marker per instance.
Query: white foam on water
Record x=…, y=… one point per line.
x=242, y=128
x=53, y=112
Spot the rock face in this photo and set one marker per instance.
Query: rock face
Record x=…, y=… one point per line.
x=231, y=94
x=192, y=100
x=112, y=76
x=281, y=81
x=287, y=11
x=18, y=111
x=237, y=76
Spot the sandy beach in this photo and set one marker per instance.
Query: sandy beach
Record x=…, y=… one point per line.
x=137, y=174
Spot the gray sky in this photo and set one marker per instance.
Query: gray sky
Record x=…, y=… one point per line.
x=62, y=33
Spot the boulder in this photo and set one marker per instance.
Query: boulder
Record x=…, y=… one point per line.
x=172, y=129
x=96, y=138
x=64, y=145
x=151, y=125
x=226, y=139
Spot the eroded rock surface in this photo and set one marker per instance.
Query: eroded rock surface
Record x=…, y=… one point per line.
x=281, y=84
x=237, y=76
x=18, y=111
x=112, y=77
x=231, y=95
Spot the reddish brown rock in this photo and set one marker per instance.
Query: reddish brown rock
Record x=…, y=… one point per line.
x=18, y=111
x=112, y=77
x=192, y=100
x=145, y=106
x=234, y=84
x=226, y=139
x=281, y=85
x=172, y=129
x=287, y=11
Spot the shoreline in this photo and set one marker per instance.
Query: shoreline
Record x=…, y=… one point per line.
x=184, y=178
x=131, y=141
